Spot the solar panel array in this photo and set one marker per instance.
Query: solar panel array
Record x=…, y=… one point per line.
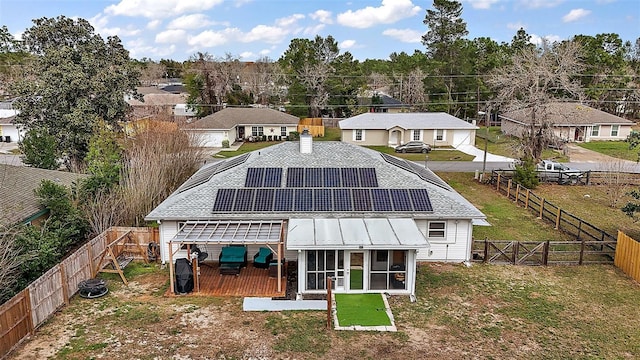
x=263, y=177
x=420, y=171
x=207, y=173
x=331, y=177
x=322, y=200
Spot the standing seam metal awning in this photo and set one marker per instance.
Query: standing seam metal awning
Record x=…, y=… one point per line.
x=241, y=232
x=354, y=233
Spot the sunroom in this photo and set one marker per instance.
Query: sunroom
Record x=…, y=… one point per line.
x=359, y=254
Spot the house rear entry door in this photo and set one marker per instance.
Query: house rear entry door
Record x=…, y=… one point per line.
x=356, y=271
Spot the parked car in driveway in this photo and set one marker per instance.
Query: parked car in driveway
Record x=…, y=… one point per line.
x=414, y=146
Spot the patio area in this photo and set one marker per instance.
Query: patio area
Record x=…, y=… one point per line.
x=251, y=281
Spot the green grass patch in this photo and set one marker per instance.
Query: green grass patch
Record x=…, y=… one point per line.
x=245, y=148
x=301, y=332
x=330, y=134
x=361, y=309
x=355, y=279
x=434, y=155
x=78, y=346
x=617, y=149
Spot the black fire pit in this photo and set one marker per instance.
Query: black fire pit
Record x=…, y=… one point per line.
x=92, y=288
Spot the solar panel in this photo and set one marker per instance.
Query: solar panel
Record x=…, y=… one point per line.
x=273, y=177
x=381, y=200
x=331, y=177
x=313, y=177
x=224, y=200
x=244, y=200
x=303, y=200
x=255, y=177
x=428, y=176
x=361, y=200
x=264, y=200
x=397, y=162
x=322, y=200
x=342, y=200
x=400, y=200
x=420, y=200
x=232, y=163
x=283, y=200
x=368, y=177
x=295, y=177
x=199, y=178
x=350, y=177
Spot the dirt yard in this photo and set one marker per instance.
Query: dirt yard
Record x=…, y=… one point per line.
x=461, y=313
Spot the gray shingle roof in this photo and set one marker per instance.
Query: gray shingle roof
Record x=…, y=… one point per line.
x=197, y=203
x=17, y=184
x=228, y=118
x=406, y=121
x=565, y=114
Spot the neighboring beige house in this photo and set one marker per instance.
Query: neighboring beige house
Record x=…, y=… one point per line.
x=436, y=129
x=159, y=102
x=570, y=122
x=18, y=202
x=239, y=124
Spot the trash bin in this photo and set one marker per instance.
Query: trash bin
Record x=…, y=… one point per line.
x=7, y=139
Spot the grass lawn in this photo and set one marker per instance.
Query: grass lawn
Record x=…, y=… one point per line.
x=361, y=309
x=617, y=149
x=245, y=148
x=500, y=144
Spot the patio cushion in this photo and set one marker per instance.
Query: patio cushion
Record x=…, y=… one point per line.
x=262, y=255
x=235, y=254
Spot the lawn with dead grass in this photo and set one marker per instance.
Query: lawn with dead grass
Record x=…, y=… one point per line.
x=484, y=311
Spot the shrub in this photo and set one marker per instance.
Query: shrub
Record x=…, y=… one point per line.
x=225, y=144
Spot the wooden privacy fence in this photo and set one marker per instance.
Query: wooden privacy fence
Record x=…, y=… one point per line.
x=543, y=252
x=314, y=125
x=628, y=256
x=545, y=210
x=22, y=314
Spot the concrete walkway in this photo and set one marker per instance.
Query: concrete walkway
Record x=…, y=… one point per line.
x=479, y=154
x=268, y=304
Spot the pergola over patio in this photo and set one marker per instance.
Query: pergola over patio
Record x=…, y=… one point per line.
x=229, y=232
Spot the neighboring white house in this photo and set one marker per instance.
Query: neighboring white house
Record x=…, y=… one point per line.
x=239, y=124
x=335, y=209
x=570, y=122
x=9, y=132
x=436, y=129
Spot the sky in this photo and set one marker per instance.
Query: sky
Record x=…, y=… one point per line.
x=368, y=29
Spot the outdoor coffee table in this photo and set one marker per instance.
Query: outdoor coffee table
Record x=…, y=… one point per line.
x=229, y=269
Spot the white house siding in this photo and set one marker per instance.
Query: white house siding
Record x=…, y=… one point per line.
x=168, y=229
x=605, y=133
x=455, y=247
x=12, y=132
x=371, y=137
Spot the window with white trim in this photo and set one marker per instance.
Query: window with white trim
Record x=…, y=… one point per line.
x=595, y=130
x=439, y=135
x=358, y=135
x=614, y=130
x=416, y=135
x=257, y=131
x=437, y=229
x=283, y=131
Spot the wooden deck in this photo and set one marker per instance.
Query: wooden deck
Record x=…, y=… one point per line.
x=250, y=282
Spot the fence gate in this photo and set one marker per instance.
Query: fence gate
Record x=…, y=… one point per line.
x=515, y=252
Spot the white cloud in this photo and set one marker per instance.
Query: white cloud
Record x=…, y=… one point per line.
x=210, y=38
x=193, y=21
x=153, y=24
x=482, y=4
x=240, y=3
x=575, y=15
x=265, y=52
x=138, y=49
x=247, y=55
x=389, y=12
x=99, y=23
x=289, y=20
x=539, y=4
x=322, y=16
x=347, y=44
x=537, y=40
x=314, y=30
x=516, y=26
x=268, y=34
x=404, y=35
x=171, y=36
x=154, y=9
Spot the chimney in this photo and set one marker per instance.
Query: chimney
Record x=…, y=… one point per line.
x=305, y=142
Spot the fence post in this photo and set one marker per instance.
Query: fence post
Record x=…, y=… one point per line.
x=498, y=183
x=581, y=252
x=65, y=285
x=514, y=254
x=508, y=189
x=545, y=255
x=486, y=250
x=579, y=229
x=541, y=208
x=30, y=325
x=517, y=193
x=558, y=218
x=526, y=201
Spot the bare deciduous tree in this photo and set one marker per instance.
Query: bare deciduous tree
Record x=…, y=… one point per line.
x=536, y=77
x=10, y=261
x=314, y=77
x=413, y=89
x=616, y=180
